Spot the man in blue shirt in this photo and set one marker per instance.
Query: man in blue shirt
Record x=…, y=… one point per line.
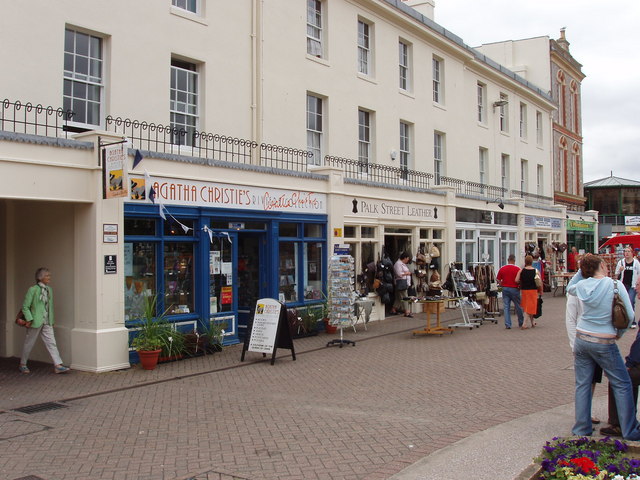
x=632, y=362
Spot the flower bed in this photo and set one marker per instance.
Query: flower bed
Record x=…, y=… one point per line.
x=586, y=458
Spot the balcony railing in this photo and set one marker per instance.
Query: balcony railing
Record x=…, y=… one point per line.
x=32, y=119
x=374, y=172
x=18, y=117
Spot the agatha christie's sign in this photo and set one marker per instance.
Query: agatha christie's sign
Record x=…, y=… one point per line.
x=207, y=194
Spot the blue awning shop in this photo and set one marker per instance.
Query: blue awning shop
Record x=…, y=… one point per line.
x=207, y=251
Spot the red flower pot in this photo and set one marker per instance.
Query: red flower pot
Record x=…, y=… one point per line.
x=329, y=328
x=149, y=359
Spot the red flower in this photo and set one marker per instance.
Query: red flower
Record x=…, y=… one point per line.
x=585, y=465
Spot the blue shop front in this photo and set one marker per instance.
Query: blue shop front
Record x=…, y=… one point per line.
x=207, y=251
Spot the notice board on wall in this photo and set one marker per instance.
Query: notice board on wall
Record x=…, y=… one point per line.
x=269, y=330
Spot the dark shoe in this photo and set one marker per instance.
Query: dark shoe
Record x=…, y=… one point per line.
x=508, y=328
x=24, y=369
x=408, y=315
x=595, y=420
x=611, y=431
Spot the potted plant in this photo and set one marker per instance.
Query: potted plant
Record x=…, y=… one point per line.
x=152, y=334
x=214, y=334
x=326, y=315
x=173, y=345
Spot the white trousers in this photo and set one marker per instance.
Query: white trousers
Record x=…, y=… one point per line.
x=49, y=341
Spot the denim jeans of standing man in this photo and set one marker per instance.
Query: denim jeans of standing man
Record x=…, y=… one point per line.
x=510, y=294
x=586, y=356
x=632, y=297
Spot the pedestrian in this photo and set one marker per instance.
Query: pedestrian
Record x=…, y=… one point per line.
x=572, y=260
x=506, y=278
x=595, y=344
x=38, y=309
x=402, y=277
x=628, y=271
x=573, y=313
x=526, y=279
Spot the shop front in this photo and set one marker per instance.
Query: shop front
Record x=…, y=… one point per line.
x=581, y=234
x=207, y=251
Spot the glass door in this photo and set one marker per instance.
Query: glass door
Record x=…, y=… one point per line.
x=251, y=277
x=487, y=249
x=222, y=282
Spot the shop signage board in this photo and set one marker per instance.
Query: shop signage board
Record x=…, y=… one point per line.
x=269, y=330
x=542, y=222
x=114, y=170
x=109, y=233
x=371, y=207
x=631, y=220
x=221, y=195
x=580, y=225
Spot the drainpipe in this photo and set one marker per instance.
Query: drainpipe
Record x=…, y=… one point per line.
x=256, y=75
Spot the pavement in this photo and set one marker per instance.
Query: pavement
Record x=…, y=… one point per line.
x=478, y=403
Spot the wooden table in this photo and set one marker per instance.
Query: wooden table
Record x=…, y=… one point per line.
x=433, y=306
x=562, y=280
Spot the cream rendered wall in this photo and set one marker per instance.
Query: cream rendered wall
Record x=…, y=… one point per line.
x=290, y=74
x=140, y=39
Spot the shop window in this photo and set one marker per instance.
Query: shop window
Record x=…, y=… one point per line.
x=349, y=232
x=368, y=232
x=174, y=229
x=313, y=230
x=140, y=277
x=139, y=226
x=178, y=277
x=424, y=233
x=288, y=229
x=288, y=271
x=313, y=270
x=437, y=234
x=220, y=276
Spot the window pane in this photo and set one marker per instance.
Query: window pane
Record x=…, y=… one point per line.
x=288, y=229
x=312, y=230
x=139, y=226
x=349, y=232
x=140, y=277
x=220, y=285
x=313, y=270
x=368, y=232
x=288, y=272
x=178, y=277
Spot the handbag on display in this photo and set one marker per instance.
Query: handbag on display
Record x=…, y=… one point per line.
x=411, y=291
x=21, y=321
x=619, y=317
x=401, y=284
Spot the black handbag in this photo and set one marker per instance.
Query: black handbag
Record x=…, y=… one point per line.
x=411, y=291
x=401, y=284
x=539, y=309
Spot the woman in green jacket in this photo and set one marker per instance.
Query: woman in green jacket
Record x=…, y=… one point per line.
x=38, y=309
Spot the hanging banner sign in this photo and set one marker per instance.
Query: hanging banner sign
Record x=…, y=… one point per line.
x=209, y=194
x=542, y=222
x=114, y=171
x=631, y=220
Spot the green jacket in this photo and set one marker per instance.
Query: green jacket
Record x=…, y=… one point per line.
x=33, y=307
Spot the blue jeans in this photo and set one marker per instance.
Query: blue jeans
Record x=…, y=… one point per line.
x=632, y=296
x=586, y=356
x=510, y=294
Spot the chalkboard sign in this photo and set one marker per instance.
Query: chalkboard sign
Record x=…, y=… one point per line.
x=269, y=330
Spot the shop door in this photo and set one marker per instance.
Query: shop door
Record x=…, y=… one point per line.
x=223, y=302
x=251, y=275
x=487, y=249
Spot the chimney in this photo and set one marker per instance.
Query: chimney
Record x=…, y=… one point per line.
x=562, y=41
x=425, y=7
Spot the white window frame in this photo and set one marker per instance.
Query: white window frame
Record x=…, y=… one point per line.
x=438, y=156
x=405, y=145
x=481, y=91
x=315, y=30
x=364, y=47
x=364, y=138
x=523, y=121
x=192, y=6
x=540, y=180
x=539, y=131
x=437, y=70
x=83, y=79
x=181, y=101
x=483, y=155
x=314, y=114
x=504, y=172
x=504, y=113
x=524, y=175
x=404, y=65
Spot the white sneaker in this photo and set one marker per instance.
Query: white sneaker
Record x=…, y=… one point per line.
x=634, y=325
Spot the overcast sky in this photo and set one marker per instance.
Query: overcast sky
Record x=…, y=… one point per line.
x=604, y=38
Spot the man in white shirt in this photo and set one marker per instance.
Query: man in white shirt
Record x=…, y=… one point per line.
x=628, y=272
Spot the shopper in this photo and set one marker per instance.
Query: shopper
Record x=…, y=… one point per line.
x=38, y=309
x=572, y=260
x=595, y=344
x=506, y=278
x=402, y=277
x=526, y=278
x=628, y=272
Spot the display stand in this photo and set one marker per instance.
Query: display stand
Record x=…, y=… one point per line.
x=461, y=282
x=433, y=306
x=341, y=296
x=485, y=277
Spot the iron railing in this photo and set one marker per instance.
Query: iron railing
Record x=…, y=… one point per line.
x=54, y=122
x=18, y=117
x=374, y=172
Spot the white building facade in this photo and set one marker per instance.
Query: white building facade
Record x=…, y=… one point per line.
x=270, y=132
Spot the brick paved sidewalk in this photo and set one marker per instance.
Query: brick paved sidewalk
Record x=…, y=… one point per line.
x=363, y=412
